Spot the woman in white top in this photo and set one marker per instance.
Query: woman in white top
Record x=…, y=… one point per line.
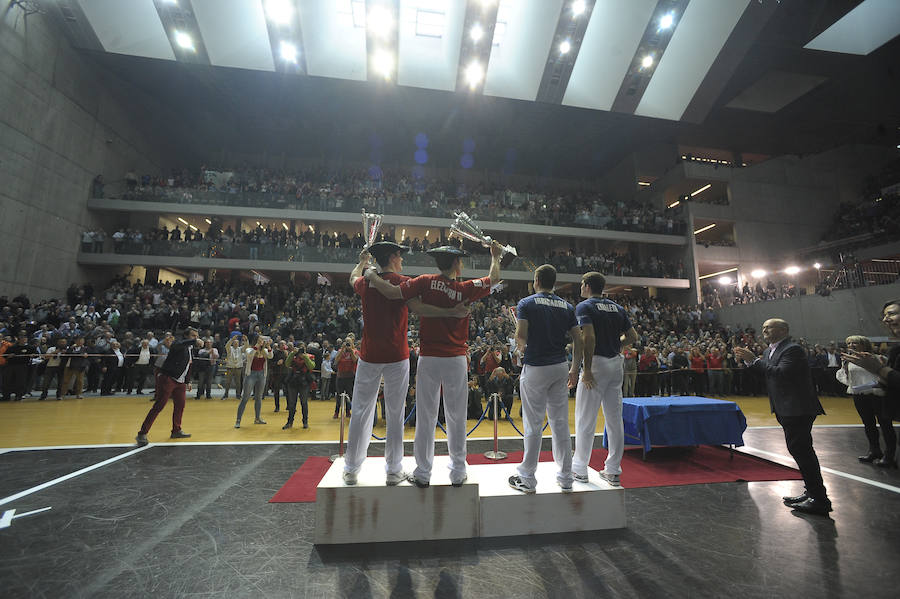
x=870, y=403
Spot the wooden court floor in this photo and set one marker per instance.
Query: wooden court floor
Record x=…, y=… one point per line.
x=115, y=420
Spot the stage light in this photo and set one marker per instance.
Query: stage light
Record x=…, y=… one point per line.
x=702, y=189
x=758, y=273
x=706, y=228
x=257, y=224
x=383, y=63
x=288, y=51
x=181, y=220
x=666, y=21
x=476, y=33
x=647, y=61
x=817, y=266
x=675, y=203
x=725, y=280
x=427, y=231
x=791, y=270
x=285, y=226
x=644, y=183
x=578, y=8
x=279, y=11
x=311, y=229
x=474, y=74
x=184, y=40
x=564, y=47
x=380, y=21
x=193, y=227
x=403, y=235
x=208, y=222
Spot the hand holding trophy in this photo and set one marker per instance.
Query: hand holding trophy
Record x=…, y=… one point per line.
x=465, y=228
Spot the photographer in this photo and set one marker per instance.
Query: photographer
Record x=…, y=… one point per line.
x=256, y=370
x=345, y=370
x=298, y=379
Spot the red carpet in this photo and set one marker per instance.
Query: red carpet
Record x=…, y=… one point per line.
x=665, y=466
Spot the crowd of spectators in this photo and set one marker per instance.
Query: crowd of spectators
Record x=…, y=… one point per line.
x=879, y=218
x=268, y=242
x=397, y=192
x=111, y=340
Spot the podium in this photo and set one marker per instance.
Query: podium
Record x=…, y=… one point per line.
x=484, y=506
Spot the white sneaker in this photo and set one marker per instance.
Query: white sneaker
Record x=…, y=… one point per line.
x=518, y=484
x=565, y=488
x=349, y=478
x=612, y=479
x=395, y=478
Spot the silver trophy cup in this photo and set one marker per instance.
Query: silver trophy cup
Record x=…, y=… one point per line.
x=371, y=226
x=466, y=229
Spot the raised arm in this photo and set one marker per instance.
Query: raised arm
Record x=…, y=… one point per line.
x=358, y=270
x=496, y=253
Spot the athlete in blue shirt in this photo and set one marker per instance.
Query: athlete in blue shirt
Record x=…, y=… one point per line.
x=542, y=322
x=605, y=327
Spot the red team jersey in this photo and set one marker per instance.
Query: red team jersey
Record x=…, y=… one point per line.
x=385, y=322
x=444, y=337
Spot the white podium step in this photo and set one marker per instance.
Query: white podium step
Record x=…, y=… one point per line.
x=485, y=506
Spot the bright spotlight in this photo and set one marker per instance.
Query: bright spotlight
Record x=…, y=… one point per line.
x=647, y=61
x=792, y=270
x=725, y=280
x=758, y=273
x=564, y=47
x=476, y=33
x=578, y=8
x=184, y=40
x=666, y=21
x=474, y=74
x=380, y=21
x=279, y=12
x=383, y=63
x=817, y=265
x=288, y=51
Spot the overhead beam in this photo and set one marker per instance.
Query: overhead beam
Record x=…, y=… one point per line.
x=476, y=52
x=653, y=43
x=570, y=29
x=178, y=17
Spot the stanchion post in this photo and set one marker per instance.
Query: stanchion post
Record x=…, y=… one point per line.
x=344, y=399
x=496, y=454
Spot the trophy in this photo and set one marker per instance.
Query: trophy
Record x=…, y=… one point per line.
x=371, y=225
x=466, y=229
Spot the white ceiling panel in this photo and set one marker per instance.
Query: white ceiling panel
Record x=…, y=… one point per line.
x=612, y=37
x=128, y=27
x=430, y=39
x=334, y=38
x=517, y=64
x=702, y=31
x=234, y=33
x=865, y=28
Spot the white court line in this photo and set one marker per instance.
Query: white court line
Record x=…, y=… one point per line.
x=787, y=461
x=56, y=481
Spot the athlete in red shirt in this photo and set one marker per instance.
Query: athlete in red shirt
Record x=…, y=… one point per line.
x=384, y=351
x=442, y=356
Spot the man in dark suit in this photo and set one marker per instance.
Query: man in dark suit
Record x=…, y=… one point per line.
x=792, y=396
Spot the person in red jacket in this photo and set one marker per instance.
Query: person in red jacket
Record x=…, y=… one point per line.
x=698, y=371
x=714, y=363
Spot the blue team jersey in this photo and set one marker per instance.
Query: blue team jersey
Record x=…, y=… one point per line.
x=550, y=318
x=610, y=321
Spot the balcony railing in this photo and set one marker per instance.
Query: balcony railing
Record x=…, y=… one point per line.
x=338, y=255
x=437, y=207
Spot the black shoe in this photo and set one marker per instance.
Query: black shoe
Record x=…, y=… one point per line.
x=287, y=426
x=305, y=425
x=141, y=439
x=42, y=397
x=870, y=457
x=819, y=507
x=179, y=435
x=795, y=500
x=886, y=462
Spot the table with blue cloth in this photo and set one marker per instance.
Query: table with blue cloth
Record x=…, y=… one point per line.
x=681, y=421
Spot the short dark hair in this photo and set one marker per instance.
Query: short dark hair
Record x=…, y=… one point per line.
x=445, y=261
x=384, y=258
x=890, y=303
x=594, y=280
x=545, y=275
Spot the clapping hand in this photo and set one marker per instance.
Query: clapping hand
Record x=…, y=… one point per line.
x=744, y=354
x=866, y=360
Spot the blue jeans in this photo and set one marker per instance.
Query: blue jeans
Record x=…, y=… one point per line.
x=255, y=382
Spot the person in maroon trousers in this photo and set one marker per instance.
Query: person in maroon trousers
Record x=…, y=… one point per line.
x=172, y=381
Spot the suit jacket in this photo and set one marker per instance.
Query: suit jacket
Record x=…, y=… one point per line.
x=789, y=380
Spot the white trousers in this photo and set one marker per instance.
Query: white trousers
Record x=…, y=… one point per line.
x=606, y=393
x=544, y=390
x=365, y=392
x=433, y=374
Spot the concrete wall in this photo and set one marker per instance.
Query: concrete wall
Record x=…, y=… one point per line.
x=62, y=121
x=821, y=319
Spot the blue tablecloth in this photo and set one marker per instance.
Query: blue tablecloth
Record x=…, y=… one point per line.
x=681, y=421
